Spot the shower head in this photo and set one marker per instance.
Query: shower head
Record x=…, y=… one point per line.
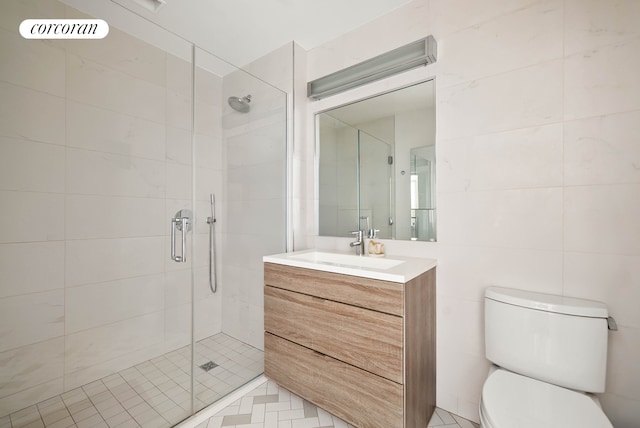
x=240, y=104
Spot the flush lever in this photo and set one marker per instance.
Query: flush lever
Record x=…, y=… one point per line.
x=611, y=323
x=182, y=222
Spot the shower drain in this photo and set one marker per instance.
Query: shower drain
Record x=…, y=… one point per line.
x=208, y=366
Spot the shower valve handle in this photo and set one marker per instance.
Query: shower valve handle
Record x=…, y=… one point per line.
x=182, y=222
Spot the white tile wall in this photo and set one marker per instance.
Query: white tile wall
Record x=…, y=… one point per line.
x=537, y=139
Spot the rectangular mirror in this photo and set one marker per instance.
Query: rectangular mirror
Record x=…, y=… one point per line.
x=377, y=166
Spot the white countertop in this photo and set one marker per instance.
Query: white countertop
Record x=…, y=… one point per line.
x=394, y=268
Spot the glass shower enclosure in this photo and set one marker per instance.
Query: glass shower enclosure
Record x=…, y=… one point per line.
x=110, y=152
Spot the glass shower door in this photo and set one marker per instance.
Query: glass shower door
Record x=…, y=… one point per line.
x=95, y=159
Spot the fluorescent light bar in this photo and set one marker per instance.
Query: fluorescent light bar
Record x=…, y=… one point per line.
x=152, y=5
x=416, y=54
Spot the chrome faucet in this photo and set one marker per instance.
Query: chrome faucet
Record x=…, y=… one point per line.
x=359, y=244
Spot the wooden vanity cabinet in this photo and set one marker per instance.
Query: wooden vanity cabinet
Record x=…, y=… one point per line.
x=362, y=349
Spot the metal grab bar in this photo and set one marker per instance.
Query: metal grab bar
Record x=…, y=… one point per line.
x=182, y=222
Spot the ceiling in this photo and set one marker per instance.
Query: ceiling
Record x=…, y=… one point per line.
x=240, y=31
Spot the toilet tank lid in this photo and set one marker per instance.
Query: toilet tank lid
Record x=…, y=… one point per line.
x=548, y=302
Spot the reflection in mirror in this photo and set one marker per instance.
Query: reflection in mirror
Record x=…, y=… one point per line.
x=423, y=210
x=377, y=166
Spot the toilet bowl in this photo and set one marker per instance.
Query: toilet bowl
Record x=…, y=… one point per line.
x=510, y=400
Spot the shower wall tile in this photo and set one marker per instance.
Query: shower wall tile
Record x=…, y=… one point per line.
x=30, y=166
x=602, y=150
x=95, y=173
x=178, y=181
x=177, y=288
x=177, y=327
x=92, y=83
x=269, y=224
x=99, y=129
x=262, y=181
x=501, y=102
x=179, y=146
x=208, y=89
x=32, y=115
x=209, y=181
x=602, y=81
x=476, y=163
x=121, y=52
x=15, y=12
x=591, y=24
x=21, y=59
x=100, y=352
x=208, y=151
x=29, y=396
x=257, y=146
x=529, y=36
x=29, y=366
x=31, y=318
x=99, y=345
x=179, y=76
x=100, y=260
x=207, y=311
x=601, y=219
x=178, y=109
x=41, y=217
x=90, y=217
x=95, y=305
x=208, y=118
x=31, y=267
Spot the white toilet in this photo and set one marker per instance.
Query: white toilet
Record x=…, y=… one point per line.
x=549, y=353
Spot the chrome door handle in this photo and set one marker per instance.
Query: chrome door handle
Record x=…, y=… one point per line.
x=182, y=222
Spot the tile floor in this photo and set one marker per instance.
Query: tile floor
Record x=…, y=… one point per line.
x=152, y=394
x=271, y=406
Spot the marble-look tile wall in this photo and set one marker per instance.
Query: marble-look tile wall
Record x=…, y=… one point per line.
x=253, y=217
x=95, y=157
x=537, y=109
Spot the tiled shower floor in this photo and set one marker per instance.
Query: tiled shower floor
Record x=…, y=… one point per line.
x=152, y=394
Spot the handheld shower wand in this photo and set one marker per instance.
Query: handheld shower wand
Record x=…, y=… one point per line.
x=213, y=266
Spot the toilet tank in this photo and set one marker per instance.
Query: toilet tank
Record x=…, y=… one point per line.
x=552, y=338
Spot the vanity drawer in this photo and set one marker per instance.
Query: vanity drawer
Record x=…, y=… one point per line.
x=359, y=397
x=382, y=296
x=367, y=339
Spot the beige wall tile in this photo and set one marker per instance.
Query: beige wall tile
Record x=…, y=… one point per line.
x=31, y=267
x=30, y=166
x=99, y=260
x=31, y=318
x=32, y=115
x=22, y=63
x=31, y=216
x=95, y=305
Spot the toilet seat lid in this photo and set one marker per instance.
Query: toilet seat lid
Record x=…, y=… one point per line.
x=511, y=400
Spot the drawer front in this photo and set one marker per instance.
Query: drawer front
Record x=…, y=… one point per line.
x=382, y=296
x=359, y=397
x=361, y=337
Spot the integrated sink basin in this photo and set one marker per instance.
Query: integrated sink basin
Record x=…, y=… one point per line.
x=348, y=260
x=394, y=269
